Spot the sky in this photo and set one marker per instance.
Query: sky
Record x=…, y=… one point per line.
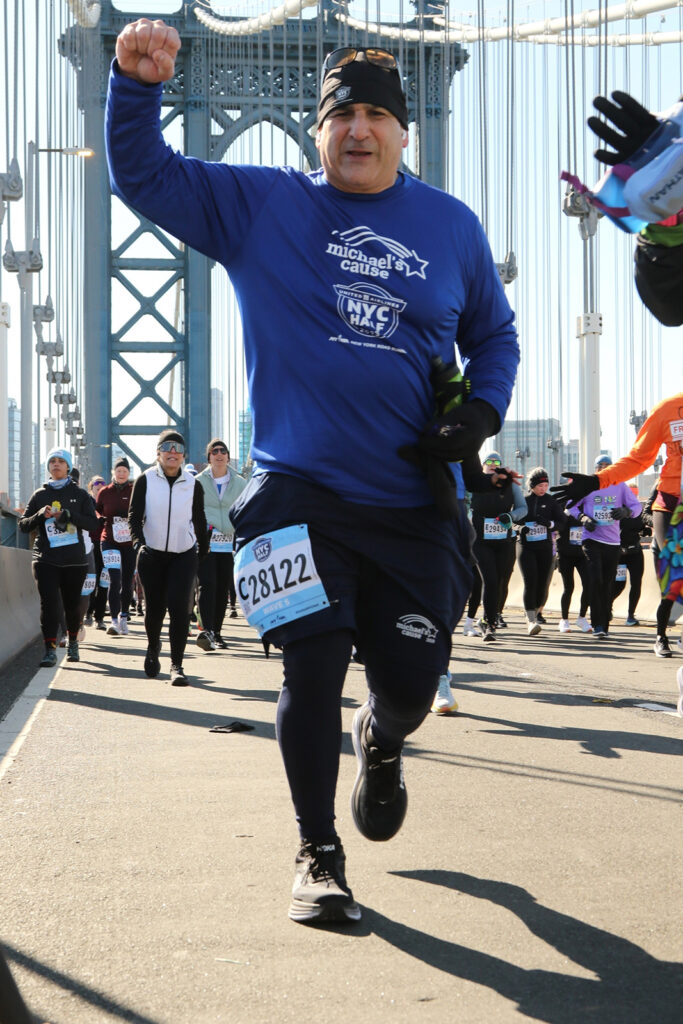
x=530, y=126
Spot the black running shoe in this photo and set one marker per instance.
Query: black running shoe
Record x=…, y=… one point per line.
x=320, y=892
x=233, y=613
x=178, y=677
x=501, y=623
x=152, y=666
x=379, y=800
x=72, y=651
x=539, y=618
x=220, y=643
x=662, y=649
x=49, y=659
x=489, y=634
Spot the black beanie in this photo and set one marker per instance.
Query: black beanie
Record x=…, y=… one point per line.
x=361, y=82
x=122, y=461
x=537, y=476
x=170, y=435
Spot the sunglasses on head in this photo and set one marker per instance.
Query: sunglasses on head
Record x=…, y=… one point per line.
x=172, y=446
x=218, y=451
x=347, y=54
x=492, y=462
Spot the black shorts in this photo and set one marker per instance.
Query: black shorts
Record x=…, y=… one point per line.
x=397, y=577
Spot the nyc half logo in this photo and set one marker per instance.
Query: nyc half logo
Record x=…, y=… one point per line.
x=368, y=309
x=351, y=249
x=262, y=549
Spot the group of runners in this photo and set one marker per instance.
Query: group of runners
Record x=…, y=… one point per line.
x=353, y=531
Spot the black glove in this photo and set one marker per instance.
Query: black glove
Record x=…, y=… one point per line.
x=504, y=478
x=578, y=487
x=439, y=477
x=457, y=434
x=588, y=523
x=635, y=122
x=505, y=519
x=621, y=512
x=543, y=521
x=522, y=530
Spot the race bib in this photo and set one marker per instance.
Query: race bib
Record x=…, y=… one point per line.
x=59, y=538
x=576, y=535
x=104, y=579
x=536, y=532
x=677, y=430
x=621, y=574
x=276, y=578
x=493, y=530
x=220, y=541
x=603, y=515
x=121, y=530
x=111, y=558
x=88, y=584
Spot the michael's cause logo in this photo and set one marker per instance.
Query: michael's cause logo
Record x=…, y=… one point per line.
x=368, y=310
x=350, y=249
x=417, y=628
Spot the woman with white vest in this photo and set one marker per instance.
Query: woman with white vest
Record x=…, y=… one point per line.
x=168, y=526
x=215, y=574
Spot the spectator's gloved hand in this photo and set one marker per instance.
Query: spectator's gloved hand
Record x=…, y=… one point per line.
x=633, y=121
x=577, y=487
x=503, y=477
x=457, y=434
x=588, y=523
x=621, y=512
x=505, y=519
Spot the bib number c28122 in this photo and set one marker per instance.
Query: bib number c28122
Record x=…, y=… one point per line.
x=276, y=578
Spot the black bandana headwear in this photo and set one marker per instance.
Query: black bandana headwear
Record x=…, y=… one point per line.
x=361, y=82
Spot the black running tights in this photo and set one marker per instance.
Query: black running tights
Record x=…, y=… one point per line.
x=168, y=580
x=214, y=584
x=309, y=727
x=567, y=563
x=59, y=585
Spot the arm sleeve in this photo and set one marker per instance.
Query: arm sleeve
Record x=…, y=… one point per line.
x=199, y=520
x=519, y=510
x=643, y=454
x=32, y=516
x=136, y=511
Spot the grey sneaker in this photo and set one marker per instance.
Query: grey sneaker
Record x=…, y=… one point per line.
x=49, y=659
x=72, y=651
x=205, y=641
x=320, y=891
x=661, y=648
x=379, y=800
x=178, y=677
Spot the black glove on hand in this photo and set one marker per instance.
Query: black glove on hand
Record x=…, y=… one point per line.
x=588, y=523
x=578, y=487
x=626, y=114
x=503, y=478
x=621, y=512
x=458, y=434
x=505, y=519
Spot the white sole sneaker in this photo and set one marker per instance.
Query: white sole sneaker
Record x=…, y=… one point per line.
x=534, y=628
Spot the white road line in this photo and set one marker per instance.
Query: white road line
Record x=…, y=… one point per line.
x=16, y=726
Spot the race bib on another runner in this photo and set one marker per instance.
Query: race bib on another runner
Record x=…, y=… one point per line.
x=111, y=558
x=493, y=530
x=276, y=579
x=104, y=579
x=121, y=530
x=59, y=538
x=621, y=574
x=220, y=541
x=677, y=430
x=603, y=515
x=576, y=535
x=536, y=532
x=88, y=584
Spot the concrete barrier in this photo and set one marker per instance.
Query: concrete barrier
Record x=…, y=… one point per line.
x=19, y=603
x=645, y=612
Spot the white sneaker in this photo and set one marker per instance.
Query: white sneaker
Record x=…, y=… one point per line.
x=533, y=628
x=470, y=628
x=444, y=701
x=564, y=626
x=81, y=635
x=583, y=624
x=113, y=629
x=123, y=625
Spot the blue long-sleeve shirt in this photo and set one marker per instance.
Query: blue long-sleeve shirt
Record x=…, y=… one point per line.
x=345, y=300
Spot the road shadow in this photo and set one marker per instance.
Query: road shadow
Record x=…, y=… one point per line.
x=630, y=986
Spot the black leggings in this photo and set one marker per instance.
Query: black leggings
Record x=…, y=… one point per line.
x=168, y=580
x=568, y=561
x=59, y=586
x=97, y=605
x=660, y=524
x=309, y=718
x=121, y=580
x=634, y=561
x=475, y=592
x=214, y=586
x=535, y=562
x=603, y=560
x=495, y=564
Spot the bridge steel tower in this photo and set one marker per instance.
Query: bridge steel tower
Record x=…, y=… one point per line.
x=216, y=104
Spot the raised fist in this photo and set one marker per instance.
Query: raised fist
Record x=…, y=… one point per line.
x=146, y=51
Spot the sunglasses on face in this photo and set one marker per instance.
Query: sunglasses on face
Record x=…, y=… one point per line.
x=172, y=446
x=98, y=483
x=492, y=462
x=347, y=54
x=218, y=451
